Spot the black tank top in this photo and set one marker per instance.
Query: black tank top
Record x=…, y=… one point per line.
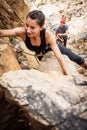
x=40, y=48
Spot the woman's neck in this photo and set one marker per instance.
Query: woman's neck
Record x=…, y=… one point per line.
x=36, y=40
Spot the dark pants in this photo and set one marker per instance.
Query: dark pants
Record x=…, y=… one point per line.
x=72, y=56
x=79, y=60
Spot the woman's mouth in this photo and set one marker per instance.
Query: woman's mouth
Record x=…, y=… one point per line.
x=29, y=34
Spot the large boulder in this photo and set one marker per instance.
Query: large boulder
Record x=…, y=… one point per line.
x=48, y=102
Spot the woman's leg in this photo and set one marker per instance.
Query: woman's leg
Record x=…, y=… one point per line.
x=79, y=60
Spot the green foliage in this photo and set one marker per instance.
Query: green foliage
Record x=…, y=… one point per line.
x=11, y=38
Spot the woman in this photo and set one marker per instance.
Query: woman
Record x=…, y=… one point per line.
x=36, y=37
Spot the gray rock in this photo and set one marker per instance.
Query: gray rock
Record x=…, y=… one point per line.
x=56, y=101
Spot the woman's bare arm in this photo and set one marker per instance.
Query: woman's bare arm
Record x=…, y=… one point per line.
x=50, y=38
x=18, y=31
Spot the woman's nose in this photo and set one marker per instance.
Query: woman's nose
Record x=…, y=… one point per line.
x=28, y=29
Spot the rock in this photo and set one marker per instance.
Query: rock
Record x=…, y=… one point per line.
x=52, y=102
x=81, y=42
x=8, y=60
x=26, y=57
x=21, y=10
x=50, y=64
x=43, y=99
x=12, y=15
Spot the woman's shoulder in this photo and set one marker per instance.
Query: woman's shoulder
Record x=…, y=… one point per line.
x=48, y=33
x=49, y=36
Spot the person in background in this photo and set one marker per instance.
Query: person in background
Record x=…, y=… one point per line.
x=36, y=37
x=62, y=32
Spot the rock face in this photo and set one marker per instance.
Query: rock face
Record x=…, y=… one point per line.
x=12, y=13
x=49, y=102
x=8, y=60
x=26, y=57
x=11, y=117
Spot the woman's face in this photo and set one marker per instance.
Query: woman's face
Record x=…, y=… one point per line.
x=32, y=27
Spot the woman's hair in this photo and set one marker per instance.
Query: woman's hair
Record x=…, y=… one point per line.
x=38, y=15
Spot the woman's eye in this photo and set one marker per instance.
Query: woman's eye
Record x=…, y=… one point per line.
x=32, y=27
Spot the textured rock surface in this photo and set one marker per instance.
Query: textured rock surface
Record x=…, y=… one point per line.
x=8, y=60
x=11, y=116
x=12, y=13
x=55, y=101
